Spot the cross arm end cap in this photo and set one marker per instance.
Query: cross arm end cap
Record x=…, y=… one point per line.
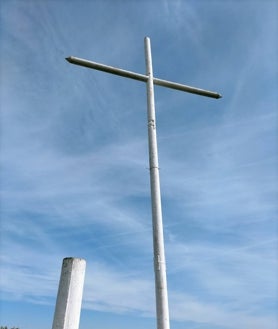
x=69, y=59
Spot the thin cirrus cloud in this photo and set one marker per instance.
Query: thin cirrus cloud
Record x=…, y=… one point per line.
x=74, y=177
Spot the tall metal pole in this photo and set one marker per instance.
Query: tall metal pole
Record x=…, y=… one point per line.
x=162, y=310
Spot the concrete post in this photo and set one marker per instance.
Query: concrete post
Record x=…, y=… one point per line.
x=69, y=298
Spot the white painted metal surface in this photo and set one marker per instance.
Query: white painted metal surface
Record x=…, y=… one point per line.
x=162, y=311
x=141, y=77
x=69, y=298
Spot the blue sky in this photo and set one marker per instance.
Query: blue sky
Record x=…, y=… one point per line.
x=74, y=161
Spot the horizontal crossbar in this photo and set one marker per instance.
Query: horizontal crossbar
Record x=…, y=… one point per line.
x=141, y=77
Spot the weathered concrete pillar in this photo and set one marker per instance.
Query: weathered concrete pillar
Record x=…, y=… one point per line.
x=69, y=298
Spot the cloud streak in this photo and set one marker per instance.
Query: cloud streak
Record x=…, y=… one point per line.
x=74, y=170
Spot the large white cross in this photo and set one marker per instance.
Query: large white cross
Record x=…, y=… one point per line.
x=162, y=310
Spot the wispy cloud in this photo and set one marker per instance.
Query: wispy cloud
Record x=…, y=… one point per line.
x=74, y=178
